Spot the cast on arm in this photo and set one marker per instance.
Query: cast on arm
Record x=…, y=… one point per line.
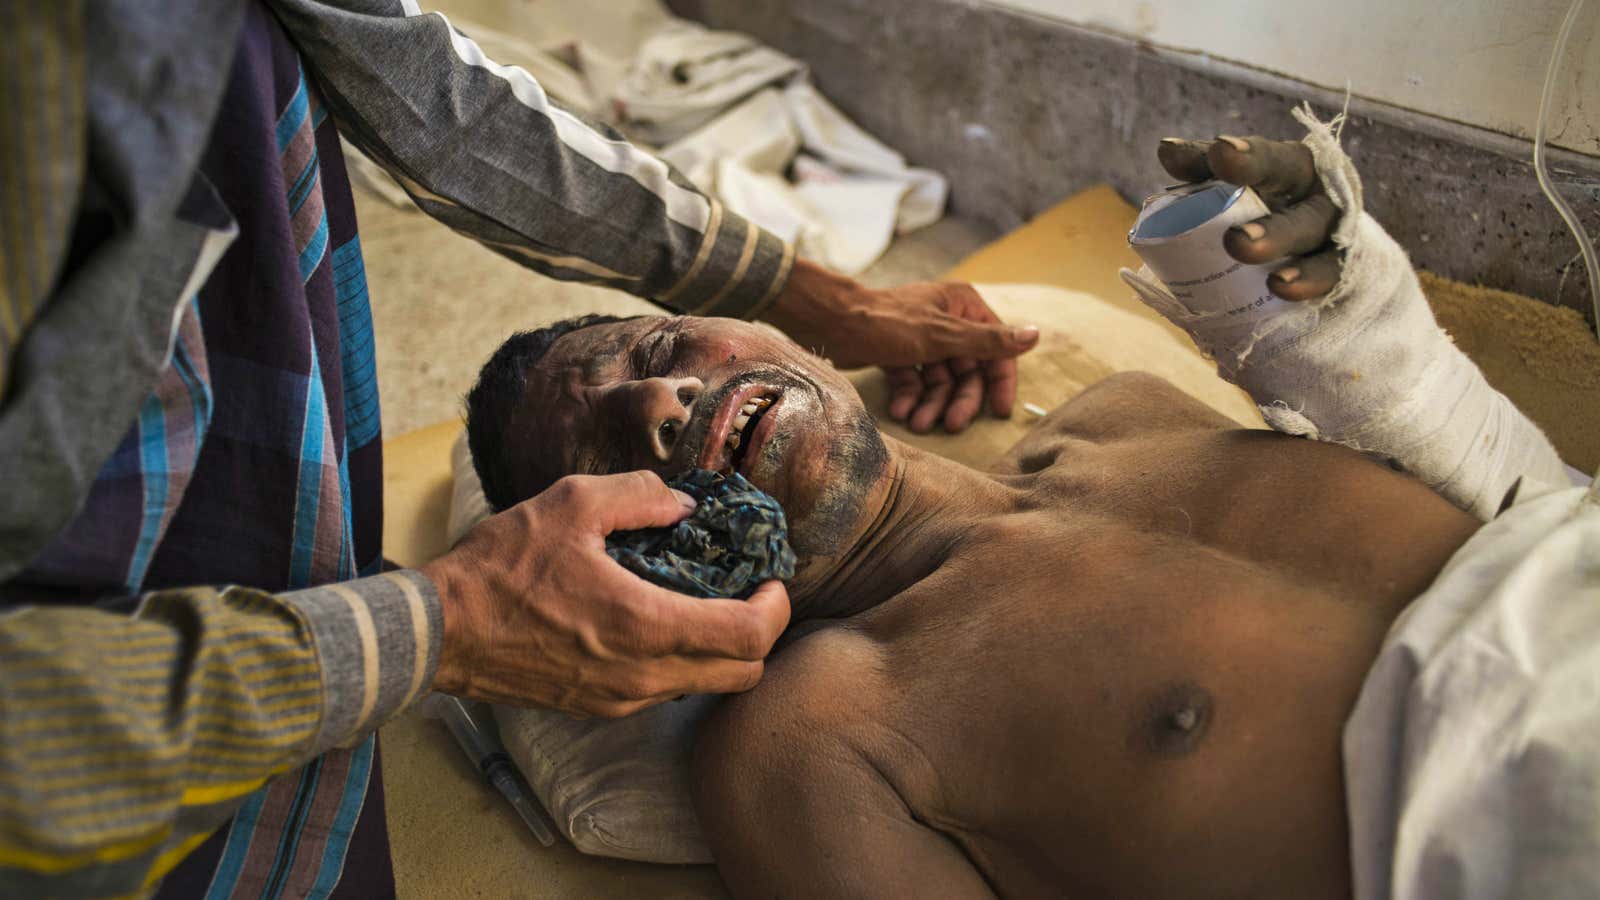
x=1367, y=366
x=482, y=148
x=126, y=740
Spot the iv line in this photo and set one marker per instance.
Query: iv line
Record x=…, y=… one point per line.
x=1585, y=246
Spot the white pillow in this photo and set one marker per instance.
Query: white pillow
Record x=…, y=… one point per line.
x=615, y=787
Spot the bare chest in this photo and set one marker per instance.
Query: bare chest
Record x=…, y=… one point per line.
x=1161, y=646
x=1324, y=516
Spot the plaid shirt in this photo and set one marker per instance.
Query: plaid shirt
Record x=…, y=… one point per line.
x=189, y=399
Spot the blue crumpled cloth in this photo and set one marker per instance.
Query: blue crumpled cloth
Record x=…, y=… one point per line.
x=736, y=538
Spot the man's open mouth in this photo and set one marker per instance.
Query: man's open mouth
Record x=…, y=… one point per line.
x=732, y=438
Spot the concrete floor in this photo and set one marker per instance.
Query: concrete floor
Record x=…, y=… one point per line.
x=442, y=303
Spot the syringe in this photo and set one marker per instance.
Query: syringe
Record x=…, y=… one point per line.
x=486, y=752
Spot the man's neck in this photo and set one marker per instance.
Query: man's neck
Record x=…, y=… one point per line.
x=922, y=510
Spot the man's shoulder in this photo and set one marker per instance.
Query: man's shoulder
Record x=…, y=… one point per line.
x=822, y=689
x=825, y=655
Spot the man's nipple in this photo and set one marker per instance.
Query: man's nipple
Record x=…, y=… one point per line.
x=1175, y=719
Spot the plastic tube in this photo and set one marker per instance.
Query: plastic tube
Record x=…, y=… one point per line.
x=1585, y=246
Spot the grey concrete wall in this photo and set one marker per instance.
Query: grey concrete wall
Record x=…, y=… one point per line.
x=1020, y=111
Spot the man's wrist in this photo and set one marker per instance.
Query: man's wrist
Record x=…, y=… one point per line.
x=812, y=302
x=449, y=675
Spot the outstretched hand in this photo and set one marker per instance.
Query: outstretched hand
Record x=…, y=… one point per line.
x=944, y=350
x=1303, y=216
x=536, y=613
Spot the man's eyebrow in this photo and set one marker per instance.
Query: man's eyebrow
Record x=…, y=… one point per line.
x=640, y=363
x=603, y=356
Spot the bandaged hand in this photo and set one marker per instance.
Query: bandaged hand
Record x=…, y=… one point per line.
x=1358, y=358
x=536, y=613
x=1300, y=229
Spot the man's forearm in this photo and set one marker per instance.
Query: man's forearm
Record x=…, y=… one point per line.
x=1355, y=357
x=480, y=147
x=125, y=740
x=1381, y=375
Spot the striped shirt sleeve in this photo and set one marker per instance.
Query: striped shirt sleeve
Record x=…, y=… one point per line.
x=482, y=148
x=126, y=740
x=42, y=160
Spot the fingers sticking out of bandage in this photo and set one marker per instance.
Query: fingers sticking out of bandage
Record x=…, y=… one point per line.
x=1296, y=234
x=1281, y=172
x=1304, y=301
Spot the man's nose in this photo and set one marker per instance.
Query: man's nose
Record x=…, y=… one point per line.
x=661, y=406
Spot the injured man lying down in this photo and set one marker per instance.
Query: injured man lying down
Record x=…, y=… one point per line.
x=1144, y=654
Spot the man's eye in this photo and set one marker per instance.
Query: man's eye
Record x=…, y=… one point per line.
x=658, y=357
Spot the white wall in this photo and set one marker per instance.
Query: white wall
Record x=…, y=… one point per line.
x=1481, y=62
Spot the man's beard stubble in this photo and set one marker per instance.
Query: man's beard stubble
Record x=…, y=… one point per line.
x=856, y=460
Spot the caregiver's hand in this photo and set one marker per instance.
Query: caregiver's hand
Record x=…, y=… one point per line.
x=536, y=614
x=1303, y=217
x=943, y=348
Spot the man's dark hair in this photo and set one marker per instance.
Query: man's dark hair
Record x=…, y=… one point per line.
x=492, y=405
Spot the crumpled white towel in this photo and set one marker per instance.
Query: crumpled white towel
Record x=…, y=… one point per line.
x=746, y=125
x=1368, y=367
x=739, y=119
x=684, y=75
x=788, y=160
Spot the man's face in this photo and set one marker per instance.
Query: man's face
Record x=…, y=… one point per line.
x=673, y=394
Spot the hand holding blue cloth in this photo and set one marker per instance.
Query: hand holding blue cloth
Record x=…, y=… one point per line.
x=736, y=539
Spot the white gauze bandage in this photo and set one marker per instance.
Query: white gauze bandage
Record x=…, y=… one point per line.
x=1368, y=367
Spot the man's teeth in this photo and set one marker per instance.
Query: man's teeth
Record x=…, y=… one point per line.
x=742, y=418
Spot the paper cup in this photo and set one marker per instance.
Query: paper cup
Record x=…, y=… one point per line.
x=1179, y=236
